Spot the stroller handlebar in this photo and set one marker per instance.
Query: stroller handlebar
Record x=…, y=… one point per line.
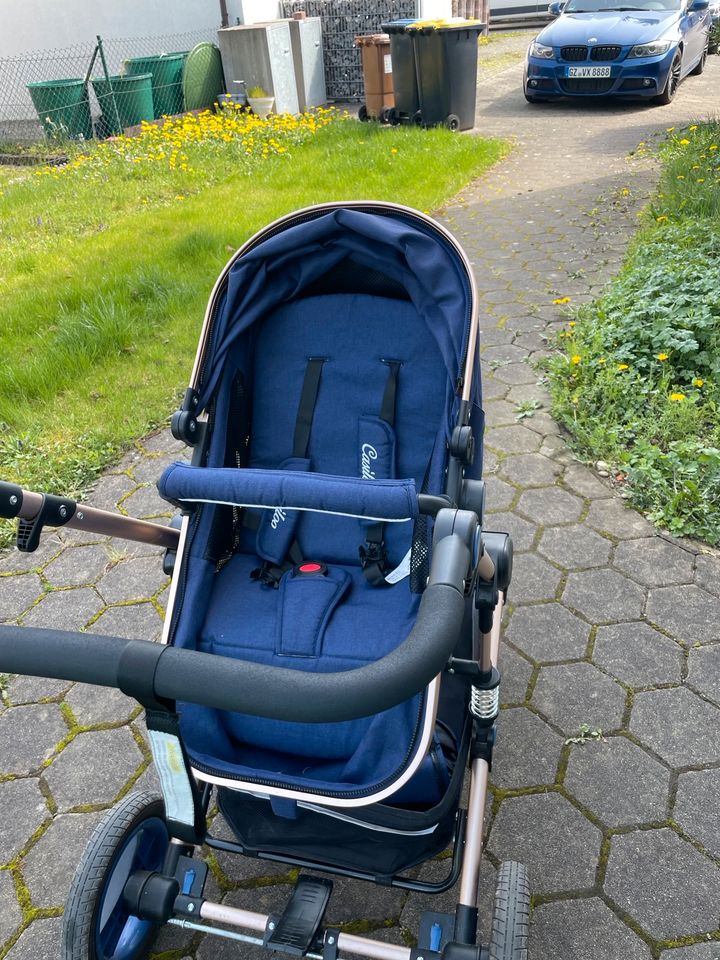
x=258, y=689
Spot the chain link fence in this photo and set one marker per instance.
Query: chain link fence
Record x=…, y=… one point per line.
x=342, y=21
x=44, y=94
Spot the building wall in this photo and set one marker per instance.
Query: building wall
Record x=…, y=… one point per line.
x=34, y=25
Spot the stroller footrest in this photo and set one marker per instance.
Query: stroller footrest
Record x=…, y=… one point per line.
x=295, y=930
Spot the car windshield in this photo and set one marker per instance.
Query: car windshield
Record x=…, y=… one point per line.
x=594, y=6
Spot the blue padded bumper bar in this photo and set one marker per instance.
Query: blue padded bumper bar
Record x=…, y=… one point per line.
x=387, y=501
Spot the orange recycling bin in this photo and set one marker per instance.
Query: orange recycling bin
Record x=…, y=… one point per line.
x=377, y=76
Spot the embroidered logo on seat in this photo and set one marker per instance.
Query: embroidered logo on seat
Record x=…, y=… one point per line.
x=278, y=517
x=368, y=453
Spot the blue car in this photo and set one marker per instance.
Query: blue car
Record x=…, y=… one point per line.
x=617, y=48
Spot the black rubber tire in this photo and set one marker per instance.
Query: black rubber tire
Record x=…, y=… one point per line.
x=417, y=119
x=363, y=114
x=92, y=872
x=673, y=82
x=393, y=117
x=700, y=65
x=511, y=913
x=452, y=122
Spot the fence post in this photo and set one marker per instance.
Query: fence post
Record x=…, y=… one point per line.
x=109, y=82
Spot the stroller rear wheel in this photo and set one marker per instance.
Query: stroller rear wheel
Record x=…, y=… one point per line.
x=511, y=913
x=97, y=925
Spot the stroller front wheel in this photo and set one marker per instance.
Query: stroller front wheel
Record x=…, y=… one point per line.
x=97, y=925
x=511, y=913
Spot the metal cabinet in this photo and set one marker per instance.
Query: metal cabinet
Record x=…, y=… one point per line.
x=261, y=55
x=306, y=37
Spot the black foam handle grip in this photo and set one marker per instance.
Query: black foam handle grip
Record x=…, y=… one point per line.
x=11, y=498
x=258, y=689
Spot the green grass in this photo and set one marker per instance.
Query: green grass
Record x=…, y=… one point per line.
x=637, y=376
x=107, y=269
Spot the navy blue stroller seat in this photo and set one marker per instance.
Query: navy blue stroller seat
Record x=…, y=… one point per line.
x=338, y=365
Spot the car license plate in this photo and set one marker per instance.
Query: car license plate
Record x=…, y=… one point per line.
x=588, y=71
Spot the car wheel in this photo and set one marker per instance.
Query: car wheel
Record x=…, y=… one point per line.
x=97, y=925
x=700, y=65
x=673, y=81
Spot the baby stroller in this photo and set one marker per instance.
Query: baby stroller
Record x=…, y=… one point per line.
x=328, y=665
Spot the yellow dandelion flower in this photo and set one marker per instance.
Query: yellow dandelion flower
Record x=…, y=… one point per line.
x=698, y=382
x=693, y=127
x=623, y=366
x=601, y=360
x=575, y=359
x=684, y=142
x=680, y=176
x=393, y=149
x=677, y=397
x=713, y=146
x=663, y=356
x=669, y=129
x=661, y=219
x=561, y=300
x=700, y=180
x=179, y=196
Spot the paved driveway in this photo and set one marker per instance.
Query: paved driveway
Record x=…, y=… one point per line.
x=610, y=625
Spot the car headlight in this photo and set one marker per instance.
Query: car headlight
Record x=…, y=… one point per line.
x=540, y=50
x=654, y=49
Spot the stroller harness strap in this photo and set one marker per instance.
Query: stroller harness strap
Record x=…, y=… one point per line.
x=373, y=553
x=277, y=531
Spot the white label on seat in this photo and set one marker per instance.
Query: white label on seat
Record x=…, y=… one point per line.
x=401, y=571
x=174, y=777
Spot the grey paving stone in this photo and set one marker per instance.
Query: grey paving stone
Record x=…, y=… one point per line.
x=707, y=574
x=654, y=562
x=637, y=654
x=522, y=531
x=550, y=505
x=135, y=621
x=40, y=941
x=699, y=951
x=515, y=672
x=503, y=352
x=163, y=442
x=148, y=781
x=696, y=808
x=527, y=751
x=92, y=705
x=111, y=755
x=49, y=867
x=22, y=811
x=516, y=373
x=542, y=423
x=17, y=593
x=581, y=480
x=31, y=689
x=613, y=517
x=109, y=490
x=560, y=850
x=557, y=448
x=433, y=872
x=679, y=726
x=499, y=413
x=145, y=502
x=530, y=470
x=65, y=609
x=136, y=579
x=533, y=579
x=498, y=494
x=489, y=463
x=661, y=881
x=548, y=632
x=704, y=671
x=529, y=391
x=603, y=596
x=77, y=565
x=16, y=561
x=10, y=912
x=689, y=613
x=29, y=735
x=574, y=694
x=574, y=547
x=583, y=930
x=515, y=439
x=493, y=389
x=618, y=782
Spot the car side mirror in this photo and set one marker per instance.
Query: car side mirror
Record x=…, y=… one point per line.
x=698, y=5
x=555, y=8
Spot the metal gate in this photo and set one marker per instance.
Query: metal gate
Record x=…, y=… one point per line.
x=342, y=21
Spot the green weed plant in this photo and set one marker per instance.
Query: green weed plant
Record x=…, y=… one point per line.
x=636, y=378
